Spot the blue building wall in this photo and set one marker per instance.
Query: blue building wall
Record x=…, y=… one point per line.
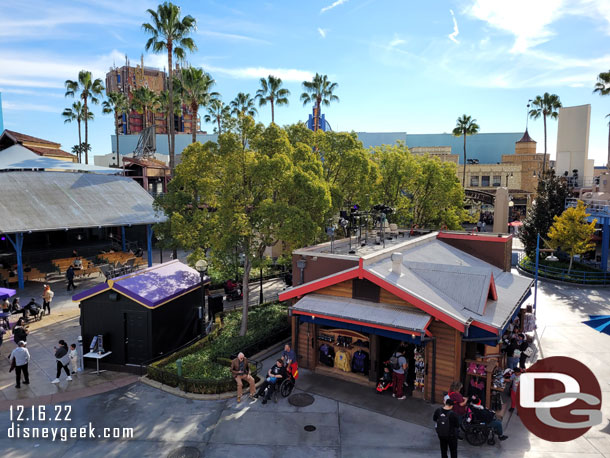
x=371, y=139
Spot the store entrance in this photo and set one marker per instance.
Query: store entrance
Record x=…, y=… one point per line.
x=413, y=353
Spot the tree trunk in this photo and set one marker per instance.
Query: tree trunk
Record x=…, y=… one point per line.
x=272, y=112
x=194, y=123
x=172, y=142
x=86, y=111
x=246, y=290
x=167, y=115
x=218, y=121
x=144, y=116
x=464, y=174
x=544, y=157
x=116, y=131
x=80, y=141
x=570, y=266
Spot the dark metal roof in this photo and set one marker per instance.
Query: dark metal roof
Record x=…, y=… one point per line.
x=50, y=201
x=526, y=138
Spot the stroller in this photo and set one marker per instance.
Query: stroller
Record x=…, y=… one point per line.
x=385, y=382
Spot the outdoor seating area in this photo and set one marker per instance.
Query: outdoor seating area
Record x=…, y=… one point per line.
x=29, y=274
x=120, y=263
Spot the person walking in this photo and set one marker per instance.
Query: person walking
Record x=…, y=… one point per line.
x=446, y=424
x=241, y=371
x=70, y=278
x=22, y=359
x=73, y=358
x=63, y=359
x=515, y=378
x=47, y=297
x=399, y=366
x=20, y=332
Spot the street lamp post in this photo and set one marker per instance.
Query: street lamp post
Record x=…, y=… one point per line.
x=202, y=267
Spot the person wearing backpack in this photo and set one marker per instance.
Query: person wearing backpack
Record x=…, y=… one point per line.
x=446, y=428
x=398, y=363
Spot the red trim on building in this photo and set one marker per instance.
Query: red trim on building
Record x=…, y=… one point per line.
x=485, y=327
x=414, y=301
x=319, y=284
x=360, y=323
x=492, y=289
x=474, y=236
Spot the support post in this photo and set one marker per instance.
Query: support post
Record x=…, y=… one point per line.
x=605, y=243
x=18, y=246
x=536, y=274
x=149, y=234
x=123, y=237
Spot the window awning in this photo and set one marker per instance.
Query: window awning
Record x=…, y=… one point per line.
x=375, y=315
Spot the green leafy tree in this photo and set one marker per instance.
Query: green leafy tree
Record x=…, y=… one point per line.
x=236, y=200
x=602, y=87
x=170, y=33
x=545, y=106
x=117, y=104
x=90, y=91
x=572, y=233
x=465, y=126
x=144, y=101
x=217, y=112
x=550, y=201
x=319, y=91
x=77, y=114
x=243, y=105
x=272, y=92
x=194, y=87
x=422, y=190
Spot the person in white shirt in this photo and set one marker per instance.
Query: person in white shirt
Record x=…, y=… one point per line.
x=73, y=358
x=22, y=359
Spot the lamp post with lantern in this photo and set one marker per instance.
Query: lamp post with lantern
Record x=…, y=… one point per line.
x=202, y=267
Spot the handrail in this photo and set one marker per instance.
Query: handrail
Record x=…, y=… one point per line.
x=574, y=276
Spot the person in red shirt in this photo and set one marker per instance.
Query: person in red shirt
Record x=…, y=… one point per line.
x=459, y=402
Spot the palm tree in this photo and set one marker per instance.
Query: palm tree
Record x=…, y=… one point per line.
x=465, y=126
x=243, y=105
x=90, y=90
x=602, y=87
x=547, y=105
x=217, y=111
x=163, y=107
x=76, y=150
x=272, y=92
x=320, y=92
x=142, y=101
x=118, y=104
x=170, y=33
x=76, y=113
x=194, y=88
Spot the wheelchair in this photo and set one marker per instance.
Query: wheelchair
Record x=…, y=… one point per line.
x=287, y=385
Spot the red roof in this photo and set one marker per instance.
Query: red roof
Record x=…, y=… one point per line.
x=50, y=152
x=20, y=138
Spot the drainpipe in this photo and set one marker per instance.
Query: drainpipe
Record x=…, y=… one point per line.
x=433, y=382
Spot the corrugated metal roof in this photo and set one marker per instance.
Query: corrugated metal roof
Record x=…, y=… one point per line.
x=42, y=201
x=362, y=311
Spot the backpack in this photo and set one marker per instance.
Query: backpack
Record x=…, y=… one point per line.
x=443, y=426
x=394, y=362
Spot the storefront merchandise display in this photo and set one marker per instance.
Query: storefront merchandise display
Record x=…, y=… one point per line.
x=360, y=362
x=327, y=355
x=343, y=360
x=420, y=369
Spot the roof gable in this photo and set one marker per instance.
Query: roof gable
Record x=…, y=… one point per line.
x=21, y=138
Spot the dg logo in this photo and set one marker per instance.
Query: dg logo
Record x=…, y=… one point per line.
x=559, y=399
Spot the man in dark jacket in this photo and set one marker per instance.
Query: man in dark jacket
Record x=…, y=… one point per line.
x=70, y=277
x=447, y=425
x=241, y=371
x=275, y=376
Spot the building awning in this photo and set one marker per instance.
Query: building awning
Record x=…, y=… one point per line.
x=374, y=315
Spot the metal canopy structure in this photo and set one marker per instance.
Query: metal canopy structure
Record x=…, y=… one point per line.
x=52, y=201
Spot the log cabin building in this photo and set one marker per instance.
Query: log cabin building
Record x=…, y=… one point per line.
x=446, y=297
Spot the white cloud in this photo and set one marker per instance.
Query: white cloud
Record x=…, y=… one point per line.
x=456, y=32
x=286, y=74
x=396, y=41
x=333, y=5
x=30, y=83
x=322, y=32
x=231, y=36
x=10, y=106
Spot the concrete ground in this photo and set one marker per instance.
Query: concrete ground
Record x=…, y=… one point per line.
x=350, y=421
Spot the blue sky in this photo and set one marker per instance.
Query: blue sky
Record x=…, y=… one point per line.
x=401, y=65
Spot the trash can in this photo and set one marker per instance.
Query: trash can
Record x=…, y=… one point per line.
x=215, y=306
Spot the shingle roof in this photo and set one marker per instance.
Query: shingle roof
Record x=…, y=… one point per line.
x=19, y=137
x=408, y=319
x=50, y=151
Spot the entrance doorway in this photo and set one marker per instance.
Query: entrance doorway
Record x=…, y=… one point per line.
x=136, y=337
x=387, y=347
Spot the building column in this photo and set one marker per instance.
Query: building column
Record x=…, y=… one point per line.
x=18, y=245
x=123, y=237
x=605, y=243
x=149, y=234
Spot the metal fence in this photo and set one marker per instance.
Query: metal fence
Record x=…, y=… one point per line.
x=555, y=273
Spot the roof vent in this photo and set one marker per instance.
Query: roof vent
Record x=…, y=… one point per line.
x=396, y=263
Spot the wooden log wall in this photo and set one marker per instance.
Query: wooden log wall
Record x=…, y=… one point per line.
x=448, y=359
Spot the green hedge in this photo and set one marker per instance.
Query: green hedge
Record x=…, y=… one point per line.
x=206, y=364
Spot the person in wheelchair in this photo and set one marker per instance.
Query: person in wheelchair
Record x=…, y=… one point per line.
x=481, y=415
x=275, y=376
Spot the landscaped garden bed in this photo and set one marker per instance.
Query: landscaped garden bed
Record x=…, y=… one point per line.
x=558, y=270
x=205, y=364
